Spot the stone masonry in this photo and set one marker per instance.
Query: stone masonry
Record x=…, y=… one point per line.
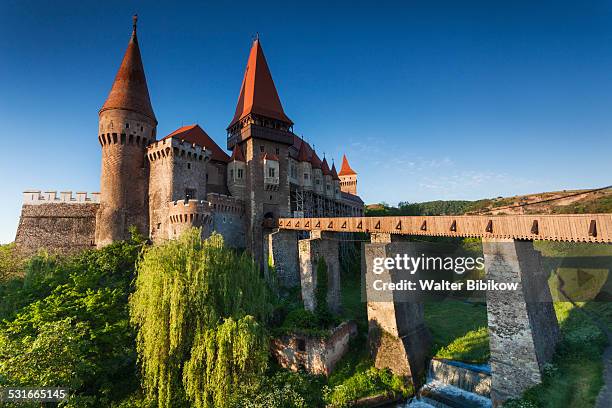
x=398, y=337
x=319, y=246
x=63, y=224
x=523, y=328
x=281, y=252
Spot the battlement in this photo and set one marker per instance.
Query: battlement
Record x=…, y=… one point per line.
x=224, y=203
x=37, y=197
x=178, y=148
x=196, y=212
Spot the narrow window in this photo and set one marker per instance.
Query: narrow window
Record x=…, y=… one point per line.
x=261, y=148
x=277, y=151
x=127, y=125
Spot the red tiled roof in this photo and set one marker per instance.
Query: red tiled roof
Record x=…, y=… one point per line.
x=325, y=168
x=129, y=89
x=258, y=94
x=315, y=161
x=346, y=170
x=195, y=134
x=237, y=154
x=334, y=173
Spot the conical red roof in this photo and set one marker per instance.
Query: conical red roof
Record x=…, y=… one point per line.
x=130, y=90
x=303, y=152
x=325, y=168
x=237, y=154
x=334, y=173
x=258, y=94
x=346, y=170
x=195, y=134
x=315, y=161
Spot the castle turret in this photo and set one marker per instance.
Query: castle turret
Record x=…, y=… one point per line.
x=127, y=125
x=236, y=173
x=328, y=189
x=317, y=174
x=262, y=130
x=304, y=167
x=348, y=177
x=336, y=182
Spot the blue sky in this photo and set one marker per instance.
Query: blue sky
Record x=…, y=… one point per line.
x=429, y=99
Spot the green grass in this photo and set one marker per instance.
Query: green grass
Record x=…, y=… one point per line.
x=459, y=330
x=575, y=376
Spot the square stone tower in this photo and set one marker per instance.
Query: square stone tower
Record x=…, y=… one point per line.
x=264, y=133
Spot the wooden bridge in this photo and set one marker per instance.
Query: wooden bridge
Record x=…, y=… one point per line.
x=523, y=332
x=571, y=228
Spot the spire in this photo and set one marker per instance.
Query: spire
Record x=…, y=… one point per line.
x=325, y=167
x=346, y=170
x=237, y=154
x=130, y=90
x=258, y=94
x=334, y=173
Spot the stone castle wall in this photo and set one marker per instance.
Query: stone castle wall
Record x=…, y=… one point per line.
x=228, y=219
x=177, y=168
x=57, y=224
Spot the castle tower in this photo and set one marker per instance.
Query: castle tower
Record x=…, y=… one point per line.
x=348, y=177
x=127, y=125
x=264, y=133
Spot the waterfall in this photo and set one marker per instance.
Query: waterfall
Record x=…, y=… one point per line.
x=454, y=384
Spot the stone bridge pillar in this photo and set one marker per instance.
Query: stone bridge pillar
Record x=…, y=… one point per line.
x=281, y=251
x=320, y=245
x=523, y=328
x=398, y=337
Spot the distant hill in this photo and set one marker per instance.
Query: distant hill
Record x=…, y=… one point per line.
x=556, y=202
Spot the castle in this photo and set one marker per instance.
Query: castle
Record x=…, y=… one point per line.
x=163, y=186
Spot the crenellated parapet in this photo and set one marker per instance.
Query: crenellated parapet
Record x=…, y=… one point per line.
x=225, y=204
x=194, y=212
x=38, y=197
x=177, y=148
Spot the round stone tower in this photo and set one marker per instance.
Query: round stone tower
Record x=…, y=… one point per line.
x=127, y=125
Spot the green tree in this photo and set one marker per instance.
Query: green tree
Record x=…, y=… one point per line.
x=66, y=323
x=11, y=263
x=199, y=310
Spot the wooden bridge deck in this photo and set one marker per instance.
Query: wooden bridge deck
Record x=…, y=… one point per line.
x=571, y=227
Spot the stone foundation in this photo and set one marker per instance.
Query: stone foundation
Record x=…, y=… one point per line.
x=398, y=337
x=319, y=245
x=281, y=251
x=523, y=327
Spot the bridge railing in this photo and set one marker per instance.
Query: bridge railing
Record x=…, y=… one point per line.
x=570, y=227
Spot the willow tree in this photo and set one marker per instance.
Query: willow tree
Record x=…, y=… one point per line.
x=199, y=309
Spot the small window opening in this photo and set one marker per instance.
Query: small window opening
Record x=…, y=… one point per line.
x=301, y=345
